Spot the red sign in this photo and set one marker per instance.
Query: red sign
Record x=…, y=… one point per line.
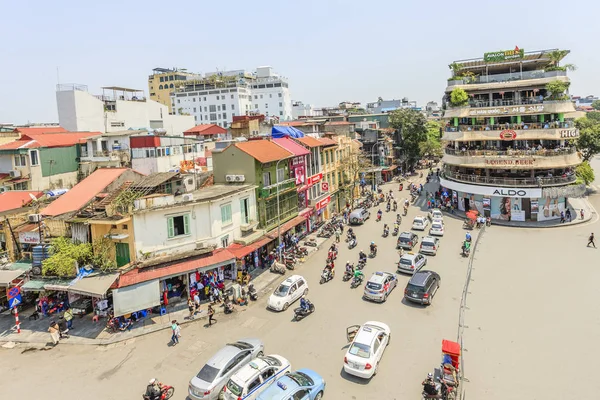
x=325, y=186
x=13, y=292
x=314, y=179
x=322, y=203
x=508, y=134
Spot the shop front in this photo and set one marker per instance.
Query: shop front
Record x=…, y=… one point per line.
x=251, y=259
x=89, y=294
x=51, y=295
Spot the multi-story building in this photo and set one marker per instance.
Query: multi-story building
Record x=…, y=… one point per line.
x=508, y=145
x=384, y=106
x=164, y=81
x=151, y=154
x=219, y=96
x=301, y=110
x=116, y=109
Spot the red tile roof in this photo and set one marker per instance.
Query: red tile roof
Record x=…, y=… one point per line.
x=239, y=250
x=16, y=199
x=328, y=142
x=310, y=141
x=40, y=130
x=205, y=129
x=132, y=277
x=264, y=150
x=84, y=192
x=35, y=140
x=292, y=146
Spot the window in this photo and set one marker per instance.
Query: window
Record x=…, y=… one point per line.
x=20, y=160
x=226, y=214
x=217, y=97
x=33, y=155
x=326, y=157
x=213, y=117
x=232, y=97
x=256, y=106
x=225, y=241
x=255, y=97
x=171, y=86
x=280, y=175
x=224, y=115
x=224, y=107
x=171, y=77
x=205, y=99
x=212, y=108
x=160, y=87
x=280, y=112
x=266, y=105
x=178, y=101
x=266, y=179
x=218, y=108
x=279, y=94
x=205, y=109
x=253, y=385
x=194, y=109
x=20, y=186
x=162, y=80
x=194, y=99
x=280, y=104
x=270, y=95
x=178, y=226
x=233, y=106
x=300, y=394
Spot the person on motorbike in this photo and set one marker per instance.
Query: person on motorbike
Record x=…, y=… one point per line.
x=379, y=214
x=153, y=390
x=349, y=267
x=429, y=385
x=406, y=203
x=396, y=226
x=373, y=247
x=468, y=237
x=304, y=304
x=398, y=218
x=395, y=204
x=358, y=274
x=386, y=229
x=362, y=257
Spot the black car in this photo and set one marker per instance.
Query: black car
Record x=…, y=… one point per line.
x=422, y=287
x=407, y=240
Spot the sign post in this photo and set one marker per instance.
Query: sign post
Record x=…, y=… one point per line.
x=14, y=299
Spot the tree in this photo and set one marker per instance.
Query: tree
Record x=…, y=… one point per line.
x=593, y=115
x=589, y=138
x=65, y=255
x=585, y=172
x=459, y=97
x=596, y=105
x=356, y=162
x=557, y=89
x=412, y=126
x=432, y=146
x=555, y=57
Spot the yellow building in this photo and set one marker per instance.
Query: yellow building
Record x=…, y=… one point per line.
x=163, y=82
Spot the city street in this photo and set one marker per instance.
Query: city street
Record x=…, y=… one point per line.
x=122, y=370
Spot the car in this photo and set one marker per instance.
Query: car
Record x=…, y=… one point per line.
x=379, y=286
x=287, y=292
x=359, y=216
x=430, y=245
x=253, y=378
x=435, y=213
x=407, y=240
x=367, y=344
x=437, y=229
x=411, y=262
x=420, y=223
x=304, y=384
x=422, y=286
x=209, y=382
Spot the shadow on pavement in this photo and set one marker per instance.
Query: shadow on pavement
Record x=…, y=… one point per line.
x=413, y=305
x=354, y=379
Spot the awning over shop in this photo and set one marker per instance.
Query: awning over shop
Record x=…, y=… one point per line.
x=7, y=276
x=137, y=297
x=287, y=226
x=240, y=251
x=94, y=285
x=37, y=285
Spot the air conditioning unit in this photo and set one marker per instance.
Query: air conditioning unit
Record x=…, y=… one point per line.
x=4, y=189
x=34, y=217
x=240, y=178
x=230, y=178
x=15, y=173
x=188, y=197
x=200, y=245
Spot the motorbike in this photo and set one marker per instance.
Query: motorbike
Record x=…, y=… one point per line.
x=356, y=282
x=300, y=313
x=395, y=232
x=347, y=276
x=290, y=264
x=387, y=208
x=228, y=307
x=378, y=217
x=395, y=207
x=277, y=267
x=466, y=250
x=469, y=224
x=166, y=392
x=332, y=255
x=361, y=264
x=310, y=242
x=386, y=232
x=373, y=253
x=401, y=187
x=252, y=292
x=352, y=244
x=327, y=275
x=405, y=211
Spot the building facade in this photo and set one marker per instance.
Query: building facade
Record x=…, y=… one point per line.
x=163, y=81
x=509, y=148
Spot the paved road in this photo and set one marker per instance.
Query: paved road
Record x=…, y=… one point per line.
x=121, y=371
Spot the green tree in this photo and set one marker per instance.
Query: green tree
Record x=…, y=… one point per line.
x=558, y=89
x=589, y=138
x=64, y=255
x=593, y=115
x=459, y=97
x=596, y=105
x=412, y=126
x=432, y=146
x=555, y=57
x=585, y=172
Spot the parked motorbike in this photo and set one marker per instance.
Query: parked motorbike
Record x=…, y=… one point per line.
x=300, y=313
x=166, y=392
x=327, y=275
x=277, y=267
x=310, y=242
x=289, y=264
x=356, y=282
x=352, y=244
x=252, y=292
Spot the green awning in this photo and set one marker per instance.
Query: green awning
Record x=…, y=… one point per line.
x=20, y=265
x=37, y=285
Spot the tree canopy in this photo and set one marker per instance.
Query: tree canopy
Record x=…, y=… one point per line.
x=459, y=97
x=432, y=146
x=596, y=105
x=65, y=255
x=412, y=126
x=585, y=172
x=589, y=137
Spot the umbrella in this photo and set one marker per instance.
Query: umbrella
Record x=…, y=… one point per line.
x=472, y=214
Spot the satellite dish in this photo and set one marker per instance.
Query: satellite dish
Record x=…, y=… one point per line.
x=33, y=198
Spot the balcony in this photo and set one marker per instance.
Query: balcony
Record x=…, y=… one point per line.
x=104, y=155
x=509, y=77
x=482, y=108
x=502, y=127
x=511, y=153
x=513, y=159
x=510, y=182
x=271, y=190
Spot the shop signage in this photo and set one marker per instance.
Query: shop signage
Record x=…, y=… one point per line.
x=503, y=55
x=491, y=111
x=29, y=237
x=325, y=186
x=534, y=193
x=569, y=133
x=509, y=162
x=508, y=134
x=322, y=203
x=314, y=179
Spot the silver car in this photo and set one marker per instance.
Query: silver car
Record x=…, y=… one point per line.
x=379, y=286
x=429, y=245
x=359, y=216
x=209, y=382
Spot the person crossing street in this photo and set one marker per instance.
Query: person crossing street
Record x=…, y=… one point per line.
x=591, y=240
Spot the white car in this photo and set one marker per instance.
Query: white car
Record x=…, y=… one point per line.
x=256, y=376
x=367, y=344
x=420, y=223
x=435, y=213
x=437, y=229
x=287, y=292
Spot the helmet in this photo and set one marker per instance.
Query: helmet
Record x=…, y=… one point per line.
x=304, y=297
x=372, y=242
x=151, y=382
x=361, y=251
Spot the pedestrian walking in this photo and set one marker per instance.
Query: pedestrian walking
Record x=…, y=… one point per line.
x=174, y=338
x=591, y=240
x=562, y=217
x=191, y=308
x=54, y=332
x=581, y=213
x=211, y=313
x=338, y=233
x=178, y=331
x=568, y=215
x=68, y=314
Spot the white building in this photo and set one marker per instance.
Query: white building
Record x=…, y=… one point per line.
x=219, y=96
x=151, y=154
x=116, y=109
x=212, y=216
x=300, y=109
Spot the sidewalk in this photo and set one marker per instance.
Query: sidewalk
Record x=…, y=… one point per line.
x=87, y=332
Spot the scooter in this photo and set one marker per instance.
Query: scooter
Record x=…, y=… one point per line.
x=252, y=292
x=405, y=211
x=386, y=232
x=228, y=307
x=310, y=242
x=166, y=392
x=347, y=276
x=356, y=282
x=395, y=232
x=361, y=264
x=465, y=250
x=352, y=244
x=277, y=267
x=378, y=217
x=300, y=313
x=373, y=253
x=387, y=208
x=327, y=275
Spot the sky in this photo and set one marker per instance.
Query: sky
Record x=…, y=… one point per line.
x=330, y=50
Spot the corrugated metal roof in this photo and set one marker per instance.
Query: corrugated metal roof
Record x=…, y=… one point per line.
x=40, y=130
x=154, y=180
x=12, y=199
x=310, y=141
x=35, y=140
x=292, y=146
x=205, y=129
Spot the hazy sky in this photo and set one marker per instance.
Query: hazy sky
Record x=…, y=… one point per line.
x=331, y=50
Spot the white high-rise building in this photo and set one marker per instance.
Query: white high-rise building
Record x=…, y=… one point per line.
x=219, y=96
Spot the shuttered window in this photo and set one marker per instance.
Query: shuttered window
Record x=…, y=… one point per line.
x=178, y=226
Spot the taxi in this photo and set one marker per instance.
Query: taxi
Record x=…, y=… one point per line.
x=367, y=344
x=410, y=262
x=437, y=228
x=420, y=223
x=435, y=213
x=304, y=384
x=379, y=286
x=255, y=377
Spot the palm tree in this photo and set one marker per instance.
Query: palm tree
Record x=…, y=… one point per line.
x=555, y=56
x=455, y=67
